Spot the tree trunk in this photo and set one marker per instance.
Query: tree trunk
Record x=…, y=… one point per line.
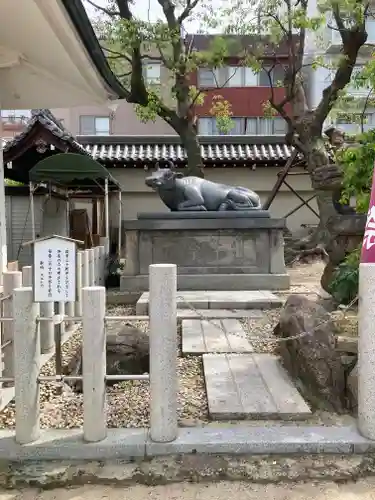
x=194, y=159
x=339, y=229
x=325, y=179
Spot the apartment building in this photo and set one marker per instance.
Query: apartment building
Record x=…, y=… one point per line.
x=326, y=43
x=246, y=90
x=119, y=118
x=14, y=121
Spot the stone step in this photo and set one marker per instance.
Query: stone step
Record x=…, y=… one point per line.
x=246, y=299
x=216, y=335
x=219, y=313
x=251, y=386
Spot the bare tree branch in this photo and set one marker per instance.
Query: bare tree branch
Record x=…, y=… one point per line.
x=190, y=6
x=363, y=114
x=108, y=12
x=352, y=39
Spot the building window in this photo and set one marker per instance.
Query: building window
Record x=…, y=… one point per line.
x=152, y=73
x=356, y=84
x=208, y=77
x=257, y=125
x=94, y=125
x=20, y=116
x=260, y=125
x=238, y=76
x=276, y=75
x=352, y=124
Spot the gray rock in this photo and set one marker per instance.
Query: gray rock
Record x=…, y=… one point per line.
x=311, y=359
x=127, y=354
x=352, y=388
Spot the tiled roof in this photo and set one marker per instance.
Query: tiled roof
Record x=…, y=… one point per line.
x=214, y=150
x=235, y=43
x=47, y=120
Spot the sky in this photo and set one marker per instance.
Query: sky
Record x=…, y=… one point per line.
x=150, y=10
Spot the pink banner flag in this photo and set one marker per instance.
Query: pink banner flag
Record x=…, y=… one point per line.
x=368, y=246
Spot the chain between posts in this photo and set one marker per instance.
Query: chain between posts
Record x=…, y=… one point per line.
x=258, y=340
x=57, y=319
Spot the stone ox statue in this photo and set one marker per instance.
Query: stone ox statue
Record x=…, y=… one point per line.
x=190, y=193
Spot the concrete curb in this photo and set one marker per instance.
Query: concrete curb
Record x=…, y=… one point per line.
x=277, y=439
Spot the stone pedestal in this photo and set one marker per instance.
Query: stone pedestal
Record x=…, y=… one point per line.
x=212, y=250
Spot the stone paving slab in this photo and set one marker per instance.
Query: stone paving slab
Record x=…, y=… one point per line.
x=272, y=439
x=217, y=335
x=275, y=439
x=251, y=386
x=261, y=299
x=220, y=313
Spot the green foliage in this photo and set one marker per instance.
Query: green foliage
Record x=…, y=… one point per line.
x=9, y=182
x=344, y=285
x=129, y=42
x=357, y=162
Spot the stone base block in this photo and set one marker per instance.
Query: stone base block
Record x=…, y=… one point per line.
x=212, y=251
x=210, y=282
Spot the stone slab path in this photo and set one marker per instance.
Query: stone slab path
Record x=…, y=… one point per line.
x=219, y=313
x=262, y=299
x=250, y=386
x=217, y=335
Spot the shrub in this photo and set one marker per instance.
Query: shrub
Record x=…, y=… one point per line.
x=344, y=284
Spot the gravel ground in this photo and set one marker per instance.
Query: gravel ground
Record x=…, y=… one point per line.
x=128, y=402
x=364, y=489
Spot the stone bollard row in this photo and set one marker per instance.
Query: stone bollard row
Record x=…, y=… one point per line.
x=47, y=340
x=79, y=264
x=27, y=276
x=85, y=269
x=11, y=280
x=163, y=357
x=91, y=266
x=102, y=261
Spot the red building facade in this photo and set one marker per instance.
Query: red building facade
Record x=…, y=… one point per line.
x=246, y=91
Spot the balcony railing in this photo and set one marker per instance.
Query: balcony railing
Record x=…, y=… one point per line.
x=333, y=36
x=15, y=119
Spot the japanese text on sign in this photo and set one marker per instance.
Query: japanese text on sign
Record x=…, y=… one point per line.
x=55, y=270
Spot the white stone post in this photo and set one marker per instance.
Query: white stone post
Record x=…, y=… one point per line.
x=27, y=366
x=85, y=269
x=101, y=265
x=61, y=309
x=366, y=350
x=27, y=276
x=106, y=216
x=97, y=265
x=69, y=310
x=94, y=364
x=78, y=306
x=103, y=243
x=91, y=266
x=163, y=352
x=3, y=231
x=47, y=329
x=11, y=280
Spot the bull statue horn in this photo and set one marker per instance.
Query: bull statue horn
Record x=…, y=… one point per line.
x=170, y=164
